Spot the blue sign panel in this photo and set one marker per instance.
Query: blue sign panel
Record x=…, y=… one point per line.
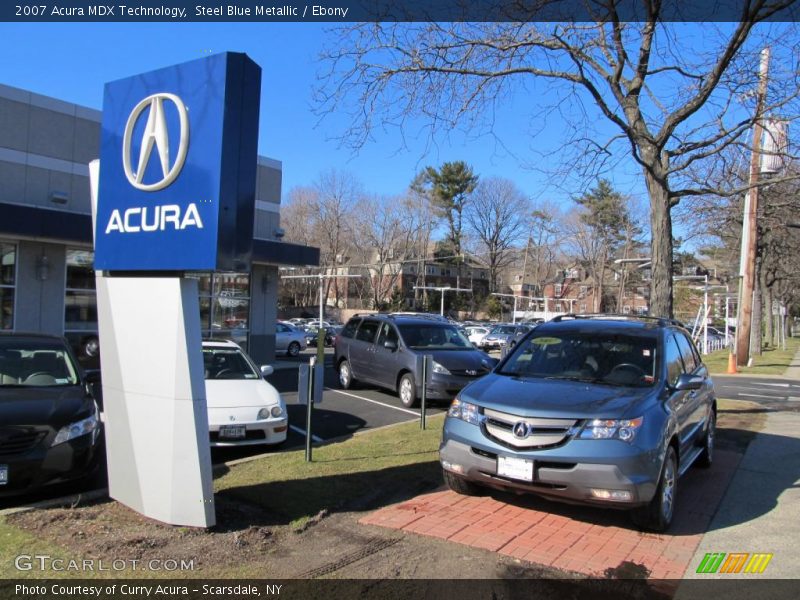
x=178, y=166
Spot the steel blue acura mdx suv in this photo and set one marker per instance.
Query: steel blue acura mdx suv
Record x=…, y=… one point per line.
x=597, y=409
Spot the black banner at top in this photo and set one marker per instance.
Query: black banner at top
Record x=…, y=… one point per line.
x=398, y=10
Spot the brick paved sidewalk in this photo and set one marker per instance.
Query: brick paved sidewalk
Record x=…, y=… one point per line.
x=582, y=539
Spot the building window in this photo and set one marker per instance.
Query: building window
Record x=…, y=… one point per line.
x=641, y=310
x=8, y=274
x=626, y=309
x=583, y=308
x=224, y=305
x=80, y=307
x=584, y=289
x=557, y=289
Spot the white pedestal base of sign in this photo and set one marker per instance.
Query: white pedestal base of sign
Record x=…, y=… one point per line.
x=154, y=398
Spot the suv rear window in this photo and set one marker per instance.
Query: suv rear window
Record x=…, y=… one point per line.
x=600, y=358
x=367, y=331
x=350, y=328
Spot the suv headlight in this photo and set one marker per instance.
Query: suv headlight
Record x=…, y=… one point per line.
x=440, y=369
x=464, y=411
x=77, y=429
x=608, y=429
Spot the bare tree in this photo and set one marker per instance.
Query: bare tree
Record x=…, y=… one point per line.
x=386, y=238
x=674, y=101
x=322, y=215
x=496, y=215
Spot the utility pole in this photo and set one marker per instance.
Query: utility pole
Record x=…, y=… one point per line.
x=749, y=228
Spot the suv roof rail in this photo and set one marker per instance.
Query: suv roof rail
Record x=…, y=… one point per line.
x=618, y=317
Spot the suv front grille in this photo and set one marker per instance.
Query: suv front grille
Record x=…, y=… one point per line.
x=544, y=432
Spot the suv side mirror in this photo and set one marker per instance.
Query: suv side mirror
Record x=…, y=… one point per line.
x=390, y=344
x=689, y=382
x=267, y=370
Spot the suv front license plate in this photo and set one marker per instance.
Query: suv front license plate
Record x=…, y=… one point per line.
x=3, y=474
x=515, y=468
x=232, y=432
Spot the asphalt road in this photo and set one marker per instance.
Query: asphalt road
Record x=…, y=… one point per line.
x=776, y=394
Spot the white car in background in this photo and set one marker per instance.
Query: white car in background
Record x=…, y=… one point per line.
x=476, y=334
x=243, y=409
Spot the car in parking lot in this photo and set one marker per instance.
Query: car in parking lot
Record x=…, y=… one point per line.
x=386, y=350
x=476, y=333
x=243, y=408
x=502, y=336
x=50, y=429
x=599, y=409
x=289, y=339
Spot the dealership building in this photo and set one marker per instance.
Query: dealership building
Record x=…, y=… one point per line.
x=47, y=281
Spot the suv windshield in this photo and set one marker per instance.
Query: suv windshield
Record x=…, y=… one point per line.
x=432, y=336
x=227, y=363
x=597, y=357
x=35, y=363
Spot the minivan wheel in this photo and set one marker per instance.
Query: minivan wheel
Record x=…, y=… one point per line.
x=407, y=390
x=706, y=457
x=293, y=349
x=345, y=375
x=460, y=485
x=657, y=515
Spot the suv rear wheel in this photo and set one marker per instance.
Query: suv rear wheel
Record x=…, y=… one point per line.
x=407, y=390
x=657, y=515
x=460, y=485
x=707, y=455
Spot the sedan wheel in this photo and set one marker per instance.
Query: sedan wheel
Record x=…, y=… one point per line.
x=294, y=349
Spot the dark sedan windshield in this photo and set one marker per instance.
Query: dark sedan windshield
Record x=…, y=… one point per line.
x=35, y=363
x=503, y=330
x=432, y=336
x=596, y=357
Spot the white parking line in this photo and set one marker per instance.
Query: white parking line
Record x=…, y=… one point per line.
x=760, y=396
x=302, y=432
x=405, y=410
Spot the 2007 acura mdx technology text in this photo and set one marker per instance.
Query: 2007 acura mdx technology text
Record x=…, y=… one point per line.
x=596, y=409
x=386, y=350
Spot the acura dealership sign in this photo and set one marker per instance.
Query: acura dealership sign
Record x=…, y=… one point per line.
x=178, y=166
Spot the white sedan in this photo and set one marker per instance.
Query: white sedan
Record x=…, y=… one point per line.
x=476, y=334
x=243, y=409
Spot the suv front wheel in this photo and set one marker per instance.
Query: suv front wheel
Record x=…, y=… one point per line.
x=657, y=515
x=407, y=390
x=345, y=375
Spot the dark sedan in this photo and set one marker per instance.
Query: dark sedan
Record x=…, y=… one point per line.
x=49, y=422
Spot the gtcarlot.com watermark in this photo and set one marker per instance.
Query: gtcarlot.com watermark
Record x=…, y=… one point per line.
x=45, y=562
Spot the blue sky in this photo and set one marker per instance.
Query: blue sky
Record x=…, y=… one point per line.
x=73, y=61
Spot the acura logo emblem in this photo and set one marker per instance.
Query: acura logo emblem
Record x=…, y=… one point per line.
x=521, y=430
x=155, y=134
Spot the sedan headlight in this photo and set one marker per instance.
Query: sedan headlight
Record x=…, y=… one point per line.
x=266, y=413
x=440, y=369
x=465, y=411
x=77, y=429
x=608, y=429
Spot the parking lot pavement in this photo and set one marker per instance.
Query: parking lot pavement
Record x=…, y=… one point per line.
x=771, y=392
x=587, y=540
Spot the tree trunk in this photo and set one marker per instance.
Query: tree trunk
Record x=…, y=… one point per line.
x=660, y=246
x=755, y=331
